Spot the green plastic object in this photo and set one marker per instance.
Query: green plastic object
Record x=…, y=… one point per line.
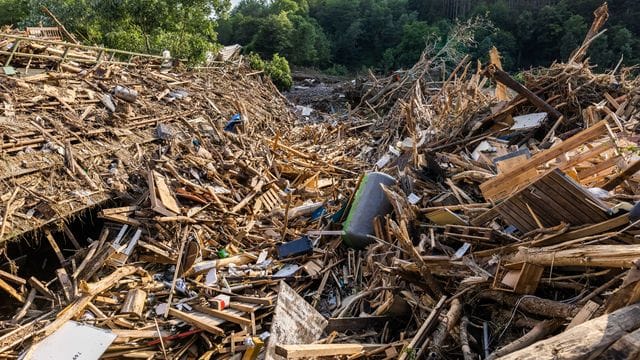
x=222, y=254
x=368, y=203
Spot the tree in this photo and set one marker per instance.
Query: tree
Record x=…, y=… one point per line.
x=13, y=11
x=186, y=27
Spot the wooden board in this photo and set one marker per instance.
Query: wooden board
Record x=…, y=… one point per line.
x=294, y=322
x=165, y=195
x=584, y=314
x=445, y=217
x=316, y=350
x=225, y=315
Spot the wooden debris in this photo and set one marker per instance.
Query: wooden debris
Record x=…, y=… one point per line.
x=492, y=246
x=134, y=302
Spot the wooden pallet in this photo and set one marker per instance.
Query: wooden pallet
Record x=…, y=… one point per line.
x=551, y=200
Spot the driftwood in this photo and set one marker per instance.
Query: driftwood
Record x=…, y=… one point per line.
x=585, y=341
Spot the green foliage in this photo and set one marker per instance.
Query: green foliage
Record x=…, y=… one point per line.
x=277, y=69
x=186, y=28
x=279, y=72
x=13, y=11
x=337, y=70
x=256, y=62
x=281, y=26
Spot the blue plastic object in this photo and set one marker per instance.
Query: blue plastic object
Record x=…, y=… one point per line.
x=231, y=125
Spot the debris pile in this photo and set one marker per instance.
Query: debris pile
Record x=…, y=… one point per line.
x=482, y=218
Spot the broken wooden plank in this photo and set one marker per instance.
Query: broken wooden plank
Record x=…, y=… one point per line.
x=624, y=175
x=12, y=278
x=11, y=291
x=294, y=321
x=225, y=315
x=584, y=314
x=134, y=302
x=55, y=247
x=166, y=197
x=68, y=289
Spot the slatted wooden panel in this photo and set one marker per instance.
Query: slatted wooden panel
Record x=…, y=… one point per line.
x=44, y=33
x=554, y=198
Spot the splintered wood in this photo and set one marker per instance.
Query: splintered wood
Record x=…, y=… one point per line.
x=137, y=214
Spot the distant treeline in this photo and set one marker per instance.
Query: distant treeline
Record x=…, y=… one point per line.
x=343, y=35
x=387, y=34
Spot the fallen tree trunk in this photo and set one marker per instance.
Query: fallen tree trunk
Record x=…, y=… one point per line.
x=531, y=304
x=585, y=341
x=540, y=331
x=628, y=347
x=609, y=256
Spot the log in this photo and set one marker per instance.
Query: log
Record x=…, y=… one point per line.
x=608, y=256
x=628, y=347
x=467, y=353
x=448, y=323
x=531, y=304
x=585, y=341
x=540, y=331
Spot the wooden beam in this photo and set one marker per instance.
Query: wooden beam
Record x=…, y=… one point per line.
x=504, y=78
x=12, y=278
x=318, y=350
x=40, y=287
x=608, y=256
x=253, y=300
x=55, y=247
x=67, y=286
x=11, y=291
x=620, y=178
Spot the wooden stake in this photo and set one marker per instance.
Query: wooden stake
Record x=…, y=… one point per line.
x=177, y=270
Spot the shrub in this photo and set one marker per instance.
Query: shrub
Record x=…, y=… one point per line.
x=277, y=69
